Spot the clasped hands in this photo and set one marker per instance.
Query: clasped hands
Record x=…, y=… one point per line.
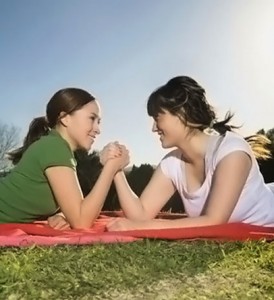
x=115, y=153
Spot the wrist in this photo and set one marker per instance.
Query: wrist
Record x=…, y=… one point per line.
x=119, y=175
x=111, y=166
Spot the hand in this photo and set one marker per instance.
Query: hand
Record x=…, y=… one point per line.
x=125, y=159
x=121, y=161
x=121, y=224
x=58, y=222
x=110, y=151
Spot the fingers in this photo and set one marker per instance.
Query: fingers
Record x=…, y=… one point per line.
x=112, y=150
x=62, y=225
x=125, y=157
x=52, y=221
x=113, y=221
x=65, y=226
x=113, y=225
x=58, y=222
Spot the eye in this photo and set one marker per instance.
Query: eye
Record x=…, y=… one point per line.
x=95, y=118
x=157, y=119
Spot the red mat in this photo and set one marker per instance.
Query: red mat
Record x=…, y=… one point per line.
x=41, y=234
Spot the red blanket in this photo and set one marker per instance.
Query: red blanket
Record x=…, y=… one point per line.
x=40, y=233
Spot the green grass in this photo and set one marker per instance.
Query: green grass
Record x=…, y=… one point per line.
x=139, y=270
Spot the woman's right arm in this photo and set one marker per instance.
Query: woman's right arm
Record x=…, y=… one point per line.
x=154, y=197
x=82, y=212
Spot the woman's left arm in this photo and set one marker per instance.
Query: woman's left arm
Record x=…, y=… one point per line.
x=227, y=185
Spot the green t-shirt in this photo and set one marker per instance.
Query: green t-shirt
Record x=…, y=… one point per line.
x=25, y=193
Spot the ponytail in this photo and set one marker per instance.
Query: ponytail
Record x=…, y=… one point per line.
x=259, y=143
x=37, y=128
x=222, y=127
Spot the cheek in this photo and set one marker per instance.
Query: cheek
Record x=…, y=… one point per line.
x=84, y=124
x=169, y=129
x=78, y=128
x=173, y=131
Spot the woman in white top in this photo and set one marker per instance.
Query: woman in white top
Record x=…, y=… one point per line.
x=214, y=169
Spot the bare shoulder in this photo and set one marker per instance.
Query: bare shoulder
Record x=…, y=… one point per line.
x=234, y=163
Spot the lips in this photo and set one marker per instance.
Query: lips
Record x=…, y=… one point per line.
x=161, y=135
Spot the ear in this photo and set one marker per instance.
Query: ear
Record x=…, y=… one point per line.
x=64, y=118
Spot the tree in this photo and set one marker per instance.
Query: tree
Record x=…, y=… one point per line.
x=9, y=138
x=270, y=136
x=267, y=166
x=139, y=177
x=88, y=169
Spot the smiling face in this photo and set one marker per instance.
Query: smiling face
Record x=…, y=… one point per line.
x=82, y=126
x=170, y=129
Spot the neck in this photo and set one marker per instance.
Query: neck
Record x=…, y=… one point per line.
x=63, y=133
x=194, y=147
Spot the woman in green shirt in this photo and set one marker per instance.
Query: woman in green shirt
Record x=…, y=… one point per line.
x=44, y=179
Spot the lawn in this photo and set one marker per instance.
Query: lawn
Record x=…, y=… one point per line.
x=146, y=269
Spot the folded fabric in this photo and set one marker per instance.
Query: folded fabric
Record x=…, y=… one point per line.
x=39, y=233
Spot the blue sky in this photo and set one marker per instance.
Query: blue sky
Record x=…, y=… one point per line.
x=121, y=50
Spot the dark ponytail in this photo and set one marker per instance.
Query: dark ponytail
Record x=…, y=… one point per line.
x=223, y=126
x=37, y=128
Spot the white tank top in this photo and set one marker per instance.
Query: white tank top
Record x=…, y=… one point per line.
x=256, y=202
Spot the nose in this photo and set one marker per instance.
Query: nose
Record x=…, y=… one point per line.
x=97, y=128
x=154, y=127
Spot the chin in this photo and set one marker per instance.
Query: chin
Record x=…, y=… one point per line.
x=166, y=145
x=88, y=148
x=89, y=145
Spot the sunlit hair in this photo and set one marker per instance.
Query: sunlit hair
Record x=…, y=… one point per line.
x=260, y=146
x=182, y=96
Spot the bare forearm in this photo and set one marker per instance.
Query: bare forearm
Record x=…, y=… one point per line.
x=179, y=223
x=193, y=222
x=129, y=201
x=93, y=202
